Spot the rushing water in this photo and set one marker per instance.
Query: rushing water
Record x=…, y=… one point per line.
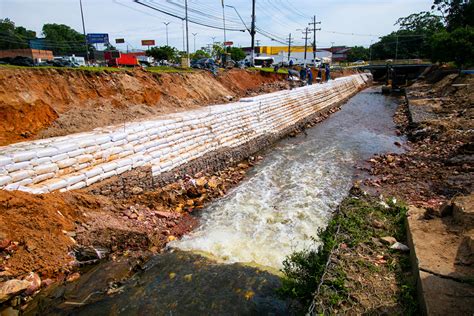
x=290, y=195
x=281, y=205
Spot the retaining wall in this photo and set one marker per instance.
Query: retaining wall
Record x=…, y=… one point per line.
x=80, y=160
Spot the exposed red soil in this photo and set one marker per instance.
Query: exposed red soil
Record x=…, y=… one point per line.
x=41, y=233
x=40, y=103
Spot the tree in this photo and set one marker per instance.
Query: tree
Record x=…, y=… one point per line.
x=199, y=54
x=13, y=37
x=457, y=46
x=163, y=53
x=358, y=53
x=217, y=51
x=423, y=22
x=236, y=53
x=412, y=40
x=456, y=13
x=63, y=40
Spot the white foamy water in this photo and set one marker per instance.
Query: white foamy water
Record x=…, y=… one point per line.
x=291, y=194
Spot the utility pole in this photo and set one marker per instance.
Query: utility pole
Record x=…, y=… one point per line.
x=84, y=32
x=370, y=52
x=223, y=17
x=252, y=33
x=187, y=31
x=305, y=32
x=213, y=40
x=194, y=34
x=314, y=23
x=166, y=23
x=182, y=27
x=289, y=47
x=396, y=50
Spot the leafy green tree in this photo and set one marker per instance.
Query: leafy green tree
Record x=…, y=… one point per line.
x=236, y=53
x=358, y=53
x=13, y=37
x=199, y=54
x=457, y=46
x=456, y=13
x=63, y=40
x=423, y=22
x=217, y=51
x=163, y=53
x=412, y=40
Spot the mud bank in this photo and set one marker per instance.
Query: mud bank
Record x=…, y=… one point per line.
x=41, y=103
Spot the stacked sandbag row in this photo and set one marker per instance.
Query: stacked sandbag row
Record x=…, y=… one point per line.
x=79, y=160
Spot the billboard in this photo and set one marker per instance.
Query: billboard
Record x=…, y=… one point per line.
x=148, y=42
x=97, y=38
x=119, y=40
x=228, y=43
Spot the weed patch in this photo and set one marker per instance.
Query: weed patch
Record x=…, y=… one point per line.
x=353, y=270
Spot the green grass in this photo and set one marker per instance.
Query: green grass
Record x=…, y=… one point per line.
x=158, y=69
x=167, y=69
x=86, y=68
x=270, y=69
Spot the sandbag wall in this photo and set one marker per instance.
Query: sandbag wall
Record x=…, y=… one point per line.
x=79, y=160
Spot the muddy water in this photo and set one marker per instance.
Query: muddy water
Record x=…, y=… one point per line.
x=291, y=194
x=217, y=269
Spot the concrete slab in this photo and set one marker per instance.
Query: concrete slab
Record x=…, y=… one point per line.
x=439, y=248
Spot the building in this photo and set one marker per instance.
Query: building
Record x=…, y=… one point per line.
x=280, y=54
x=339, y=53
x=37, y=55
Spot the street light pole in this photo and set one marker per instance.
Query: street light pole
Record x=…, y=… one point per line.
x=194, y=34
x=84, y=31
x=166, y=23
x=223, y=17
x=187, y=31
x=252, y=32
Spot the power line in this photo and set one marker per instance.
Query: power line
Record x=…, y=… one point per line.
x=191, y=20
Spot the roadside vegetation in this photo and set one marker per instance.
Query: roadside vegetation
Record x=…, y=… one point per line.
x=270, y=69
x=444, y=34
x=355, y=270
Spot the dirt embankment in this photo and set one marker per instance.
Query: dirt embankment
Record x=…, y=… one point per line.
x=439, y=124
x=40, y=103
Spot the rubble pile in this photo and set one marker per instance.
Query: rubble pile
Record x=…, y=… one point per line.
x=439, y=160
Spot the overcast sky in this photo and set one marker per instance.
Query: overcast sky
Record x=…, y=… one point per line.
x=343, y=22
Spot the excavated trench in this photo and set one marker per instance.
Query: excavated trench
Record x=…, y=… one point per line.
x=230, y=263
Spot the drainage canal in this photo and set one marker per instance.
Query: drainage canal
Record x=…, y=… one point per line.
x=229, y=264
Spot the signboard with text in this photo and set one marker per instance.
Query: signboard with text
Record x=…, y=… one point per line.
x=228, y=43
x=148, y=42
x=119, y=40
x=97, y=38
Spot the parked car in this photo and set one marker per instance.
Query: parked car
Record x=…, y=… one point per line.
x=205, y=63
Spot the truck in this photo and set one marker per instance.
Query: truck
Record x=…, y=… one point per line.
x=118, y=59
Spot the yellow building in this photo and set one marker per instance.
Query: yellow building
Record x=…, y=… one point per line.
x=275, y=50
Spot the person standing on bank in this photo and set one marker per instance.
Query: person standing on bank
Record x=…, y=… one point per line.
x=309, y=75
x=328, y=72
x=303, y=74
x=320, y=75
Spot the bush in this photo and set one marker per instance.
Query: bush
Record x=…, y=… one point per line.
x=457, y=46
